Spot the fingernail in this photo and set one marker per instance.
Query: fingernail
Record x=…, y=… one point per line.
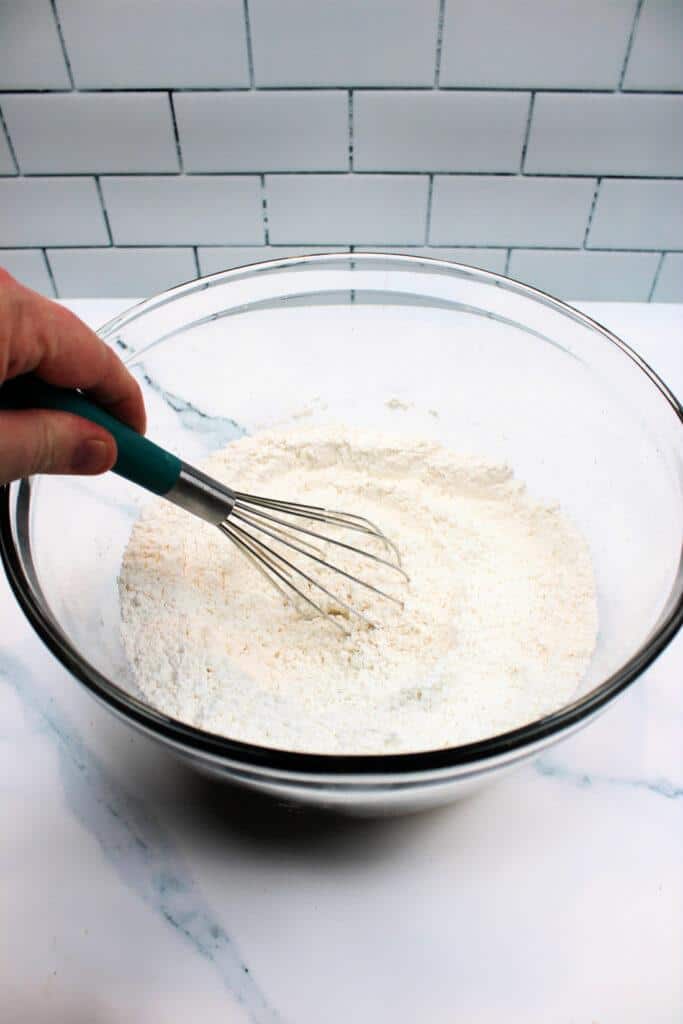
x=91, y=457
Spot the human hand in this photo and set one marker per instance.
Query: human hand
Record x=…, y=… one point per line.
x=40, y=337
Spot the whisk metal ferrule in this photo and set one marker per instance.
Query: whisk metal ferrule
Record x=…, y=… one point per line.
x=201, y=495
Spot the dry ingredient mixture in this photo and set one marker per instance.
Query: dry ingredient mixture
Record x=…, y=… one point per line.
x=499, y=622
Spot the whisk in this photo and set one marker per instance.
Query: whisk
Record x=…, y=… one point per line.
x=282, y=539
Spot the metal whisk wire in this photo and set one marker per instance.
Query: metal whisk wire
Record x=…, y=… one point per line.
x=252, y=519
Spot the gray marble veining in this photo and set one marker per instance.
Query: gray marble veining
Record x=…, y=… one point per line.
x=135, y=844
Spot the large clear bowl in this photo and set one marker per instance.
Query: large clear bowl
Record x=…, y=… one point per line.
x=511, y=374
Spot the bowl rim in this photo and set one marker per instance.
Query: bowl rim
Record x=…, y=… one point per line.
x=199, y=741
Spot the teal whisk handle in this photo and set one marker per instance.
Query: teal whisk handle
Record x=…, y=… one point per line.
x=139, y=460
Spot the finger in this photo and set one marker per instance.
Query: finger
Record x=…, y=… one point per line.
x=37, y=335
x=42, y=441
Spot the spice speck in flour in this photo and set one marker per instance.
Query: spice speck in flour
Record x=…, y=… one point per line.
x=498, y=627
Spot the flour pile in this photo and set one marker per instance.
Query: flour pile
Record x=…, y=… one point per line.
x=498, y=628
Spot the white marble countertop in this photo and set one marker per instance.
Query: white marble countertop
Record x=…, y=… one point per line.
x=134, y=891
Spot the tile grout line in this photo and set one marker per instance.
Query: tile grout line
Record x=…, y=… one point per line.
x=629, y=44
x=196, y=260
x=655, y=279
x=594, y=203
x=527, y=131
x=411, y=173
x=476, y=246
x=62, y=43
x=103, y=207
x=439, y=43
x=50, y=274
x=10, y=145
x=428, y=218
x=250, y=48
x=506, y=268
x=572, y=90
x=350, y=126
x=176, y=133
x=264, y=209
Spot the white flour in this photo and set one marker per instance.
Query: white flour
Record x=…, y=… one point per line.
x=498, y=628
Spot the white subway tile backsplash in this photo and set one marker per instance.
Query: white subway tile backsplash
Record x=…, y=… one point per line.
x=438, y=131
x=184, y=210
x=656, y=58
x=345, y=208
x=564, y=44
x=6, y=161
x=212, y=259
x=357, y=42
x=263, y=131
x=119, y=273
x=28, y=266
x=77, y=132
x=669, y=287
x=50, y=211
x=597, y=276
x=638, y=215
x=485, y=210
x=484, y=259
x=116, y=44
x=491, y=133
x=606, y=134
x=30, y=52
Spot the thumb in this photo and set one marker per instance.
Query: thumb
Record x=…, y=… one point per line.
x=42, y=441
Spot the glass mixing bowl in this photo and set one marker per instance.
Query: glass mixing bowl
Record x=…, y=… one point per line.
x=486, y=365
